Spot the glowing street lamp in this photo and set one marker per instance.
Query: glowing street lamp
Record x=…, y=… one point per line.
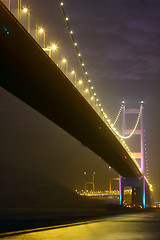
x=54, y=49
x=80, y=83
x=41, y=30
x=64, y=61
x=74, y=73
x=25, y=10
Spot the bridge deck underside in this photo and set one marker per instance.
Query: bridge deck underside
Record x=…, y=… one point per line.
x=29, y=74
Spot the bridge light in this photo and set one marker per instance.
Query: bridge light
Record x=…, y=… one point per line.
x=61, y=3
x=86, y=90
x=142, y=102
x=73, y=72
x=89, y=81
x=71, y=32
x=54, y=47
x=67, y=18
x=80, y=82
x=25, y=10
x=86, y=73
x=41, y=30
x=64, y=60
x=83, y=64
x=79, y=54
x=92, y=98
x=92, y=88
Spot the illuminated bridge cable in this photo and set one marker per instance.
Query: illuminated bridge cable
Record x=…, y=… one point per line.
x=135, y=127
x=119, y=112
x=70, y=32
x=73, y=41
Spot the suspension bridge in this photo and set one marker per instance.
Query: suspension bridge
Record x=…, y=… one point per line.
x=31, y=71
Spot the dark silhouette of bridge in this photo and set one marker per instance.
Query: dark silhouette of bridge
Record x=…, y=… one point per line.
x=28, y=73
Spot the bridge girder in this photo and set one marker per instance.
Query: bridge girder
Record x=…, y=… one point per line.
x=29, y=74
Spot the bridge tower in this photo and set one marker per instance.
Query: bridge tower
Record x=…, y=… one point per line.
x=134, y=183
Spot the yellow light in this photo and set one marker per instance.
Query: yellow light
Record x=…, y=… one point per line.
x=73, y=72
x=64, y=60
x=41, y=30
x=86, y=90
x=54, y=47
x=82, y=64
x=92, y=98
x=80, y=82
x=25, y=10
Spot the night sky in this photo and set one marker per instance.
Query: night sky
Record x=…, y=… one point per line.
x=119, y=42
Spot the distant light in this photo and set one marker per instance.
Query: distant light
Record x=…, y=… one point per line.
x=41, y=30
x=79, y=54
x=86, y=73
x=80, y=82
x=66, y=18
x=54, y=47
x=61, y=3
x=142, y=102
x=123, y=102
x=97, y=99
x=75, y=44
x=99, y=104
x=73, y=72
x=92, y=87
x=94, y=94
x=82, y=64
x=86, y=90
x=92, y=98
x=64, y=60
x=89, y=80
x=25, y=10
x=71, y=32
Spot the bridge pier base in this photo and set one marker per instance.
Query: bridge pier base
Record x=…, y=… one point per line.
x=132, y=192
